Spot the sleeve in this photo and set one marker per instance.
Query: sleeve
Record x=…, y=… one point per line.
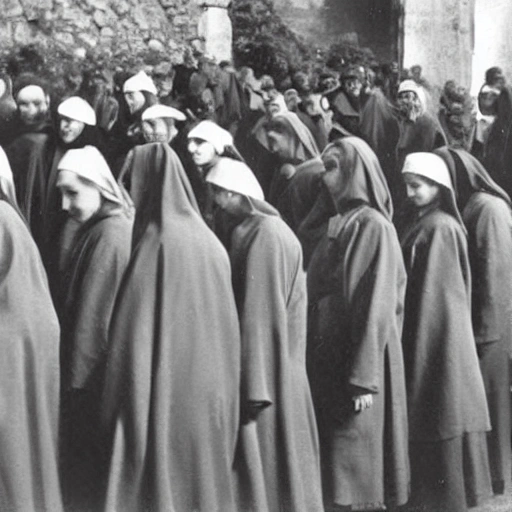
x=375, y=284
x=93, y=309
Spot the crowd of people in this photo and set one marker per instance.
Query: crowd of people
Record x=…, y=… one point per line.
x=223, y=296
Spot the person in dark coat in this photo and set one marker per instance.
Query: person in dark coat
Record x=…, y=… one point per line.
x=31, y=149
x=170, y=408
x=278, y=437
x=295, y=185
x=88, y=287
x=356, y=287
x=29, y=367
x=486, y=214
x=447, y=406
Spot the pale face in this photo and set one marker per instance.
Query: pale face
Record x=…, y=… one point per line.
x=352, y=87
x=156, y=130
x=203, y=153
x=80, y=200
x=32, y=104
x=280, y=145
x=135, y=101
x=70, y=129
x=420, y=192
x=226, y=200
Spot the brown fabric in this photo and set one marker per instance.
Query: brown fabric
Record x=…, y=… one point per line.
x=29, y=369
x=281, y=451
x=441, y=363
x=171, y=401
x=356, y=285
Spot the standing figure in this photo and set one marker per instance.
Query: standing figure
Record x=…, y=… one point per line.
x=486, y=214
x=29, y=367
x=88, y=287
x=278, y=439
x=171, y=401
x=356, y=285
x=447, y=406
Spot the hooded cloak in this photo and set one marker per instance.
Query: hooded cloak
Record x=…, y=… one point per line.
x=29, y=371
x=171, y=401
x=278, y=440
x=356, y=286
x=487, y=217
x=446, y=398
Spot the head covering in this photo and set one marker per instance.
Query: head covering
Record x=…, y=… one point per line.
x=412, y=86
x=212, y=133
x=305, y=145
x=158, y=111
x=360, y=177
x=140, y=82
x=88, y=163
x=78, y=109
x=278, y=101
x=467, y=172
x=26, y=79
x=434, y=168
x=235, y=176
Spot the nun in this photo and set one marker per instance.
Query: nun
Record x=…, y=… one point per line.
x=88, y=287
x=447, y=406
x=356, y=285
x=170, y=409
x=487, y=217
x=279, y=463
x=29, y=366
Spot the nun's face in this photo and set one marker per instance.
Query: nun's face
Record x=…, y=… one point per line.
x=32, y=104
x=203, y=153
x=70, y=129
x=280, y=144
x=420, y=192
x=79, y=199
x=135, y=101
x=156, y=130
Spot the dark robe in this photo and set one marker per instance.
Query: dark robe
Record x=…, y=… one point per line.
x=89, y=285
x=356, y=285
x=171, y=401
x=29, y=370
x=446, y=398
x=270, y=289
x=488, y=220
x=30, y=155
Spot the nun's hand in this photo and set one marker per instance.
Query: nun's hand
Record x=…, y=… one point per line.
x=362, y=402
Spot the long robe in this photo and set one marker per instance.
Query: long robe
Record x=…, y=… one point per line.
x=29, y=373
x=446, y=398
x=98, y=259
x=270, y=289
x=171, y=401
x=356, y=283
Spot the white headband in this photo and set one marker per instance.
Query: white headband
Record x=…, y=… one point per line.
x=159, y=111
x=78, y=109
x=212, y=133
x=140, y=82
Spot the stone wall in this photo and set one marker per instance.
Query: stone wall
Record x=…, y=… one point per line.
x=122, y=25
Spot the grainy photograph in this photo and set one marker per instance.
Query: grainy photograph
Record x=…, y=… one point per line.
x=256, y=255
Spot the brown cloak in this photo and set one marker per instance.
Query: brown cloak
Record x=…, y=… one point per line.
x=171, y=401
x=356, y=284
x=270, y=289
x=29, y=369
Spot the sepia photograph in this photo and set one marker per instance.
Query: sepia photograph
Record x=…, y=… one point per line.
x=256, y=256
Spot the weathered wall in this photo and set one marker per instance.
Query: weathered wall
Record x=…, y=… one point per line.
x=493, y=39
x=120, y=24
x=438, y=35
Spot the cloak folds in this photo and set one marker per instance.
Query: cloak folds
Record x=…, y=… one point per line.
x=281, y=444
x=171, y=401
x=447, y=407
x=356, y=285
x=29, y=374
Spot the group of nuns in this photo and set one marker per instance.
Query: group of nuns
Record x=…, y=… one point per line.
x=172, y=346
